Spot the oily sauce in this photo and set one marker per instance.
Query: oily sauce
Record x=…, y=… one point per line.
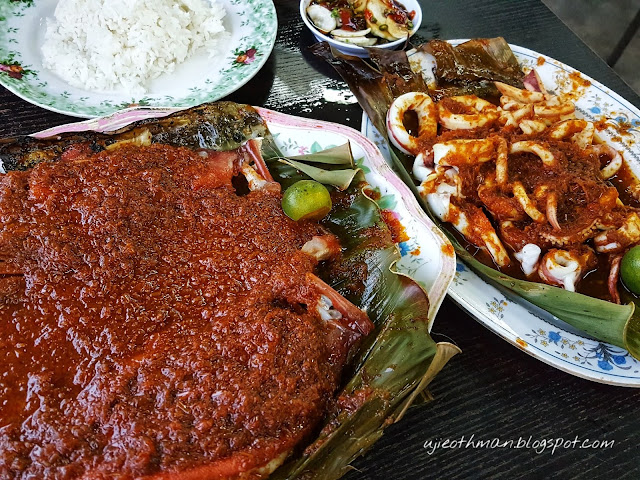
x=153, y=320
x=574, y=176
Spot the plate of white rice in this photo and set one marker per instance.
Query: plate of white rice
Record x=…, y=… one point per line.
x=90, y=58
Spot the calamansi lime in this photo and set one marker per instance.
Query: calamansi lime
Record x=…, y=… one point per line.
x=630, y=269
x=306, y=199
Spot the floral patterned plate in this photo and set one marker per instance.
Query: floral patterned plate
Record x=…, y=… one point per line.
x=529, y=328
x=252, y=25
x=427, y=255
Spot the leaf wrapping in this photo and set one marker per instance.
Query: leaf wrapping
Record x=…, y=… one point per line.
x=396, y=362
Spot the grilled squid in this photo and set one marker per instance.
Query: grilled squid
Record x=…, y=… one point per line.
x=565, y=268
x=529, y=257
x=578, y=131
x=553, y=210
x=424, y=108
x=614, y=159
x=480, y=113
x=616, y=240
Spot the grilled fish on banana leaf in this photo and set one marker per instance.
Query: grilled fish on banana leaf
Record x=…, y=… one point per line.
x=393, y=364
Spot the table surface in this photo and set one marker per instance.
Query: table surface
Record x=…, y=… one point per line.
x=492, y=390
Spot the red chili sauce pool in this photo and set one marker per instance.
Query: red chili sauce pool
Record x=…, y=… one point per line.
x=153, y=320
x=576, y=168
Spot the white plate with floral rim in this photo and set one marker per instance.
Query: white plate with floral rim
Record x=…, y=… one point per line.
x=252, y=25
x=529, y=328
x=427, y=256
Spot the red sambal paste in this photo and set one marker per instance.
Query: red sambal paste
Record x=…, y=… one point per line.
x=154, y=320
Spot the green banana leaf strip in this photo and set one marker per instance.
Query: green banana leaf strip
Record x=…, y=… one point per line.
x=395, y=359
x=605, y=321
x=357, y=431
x=340, y=155
x=288, y=174
x=340, y=179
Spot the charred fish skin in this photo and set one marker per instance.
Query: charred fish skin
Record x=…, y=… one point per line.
x=25, y=152
x=220, y=126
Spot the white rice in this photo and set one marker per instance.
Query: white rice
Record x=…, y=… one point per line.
x=120, y=45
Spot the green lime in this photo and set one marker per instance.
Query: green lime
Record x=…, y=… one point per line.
x=306, y=199
x=630, y=269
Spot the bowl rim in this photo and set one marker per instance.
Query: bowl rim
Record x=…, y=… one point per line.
x=417, y=20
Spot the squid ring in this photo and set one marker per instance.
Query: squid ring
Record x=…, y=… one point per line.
x=579, y=131
x=486, y=113
x=424, y=108
x=528, y=206
x=536, y=148
x=614, y=164
x=561, y=268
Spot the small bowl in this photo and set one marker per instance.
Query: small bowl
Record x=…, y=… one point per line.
x=410, y=5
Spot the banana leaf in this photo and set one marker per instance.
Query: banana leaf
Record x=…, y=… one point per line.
x=475, y=60
x=605, y=321
x=395, y=68
x=340, y=179
x=471, y=67
x=340, y=155
x=397, y=361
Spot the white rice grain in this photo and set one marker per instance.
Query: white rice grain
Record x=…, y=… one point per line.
x=120, y=45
